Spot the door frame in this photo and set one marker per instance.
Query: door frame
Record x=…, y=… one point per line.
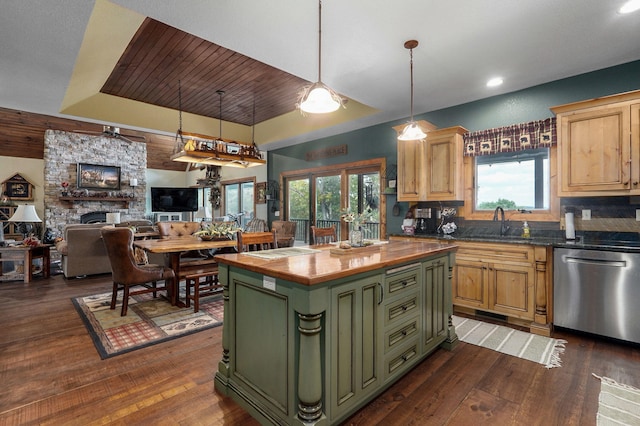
x=344, y=170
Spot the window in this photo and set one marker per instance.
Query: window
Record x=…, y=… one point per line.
x=238, y=200
x=513, y=180
x=521, y=182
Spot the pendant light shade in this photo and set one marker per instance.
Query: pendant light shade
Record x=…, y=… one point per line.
x=412, y=131
x=318, y=98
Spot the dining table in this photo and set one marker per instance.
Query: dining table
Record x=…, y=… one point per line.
x=173, y=247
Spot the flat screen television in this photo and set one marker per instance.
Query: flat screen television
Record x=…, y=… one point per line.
x=174, y=199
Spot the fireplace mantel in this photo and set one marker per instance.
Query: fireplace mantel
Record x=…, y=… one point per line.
x=125, y=200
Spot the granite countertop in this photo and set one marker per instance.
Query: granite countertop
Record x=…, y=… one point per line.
x=616, y=241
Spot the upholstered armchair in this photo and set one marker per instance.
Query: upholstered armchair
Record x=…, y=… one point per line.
x=127, y=274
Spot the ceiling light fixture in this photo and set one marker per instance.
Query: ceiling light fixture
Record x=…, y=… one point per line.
x=630, y=6
x=495, y=82
x=318, y=98
x=202, y=149
x=412, y=131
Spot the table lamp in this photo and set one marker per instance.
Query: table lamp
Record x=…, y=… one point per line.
x=26, y=213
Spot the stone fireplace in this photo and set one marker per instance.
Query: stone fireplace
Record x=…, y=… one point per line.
x=64, y=150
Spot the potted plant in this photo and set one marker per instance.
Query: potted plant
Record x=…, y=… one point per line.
x=356, y=238
x=218, y=230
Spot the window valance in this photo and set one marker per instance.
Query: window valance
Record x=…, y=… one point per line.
x=517, y=137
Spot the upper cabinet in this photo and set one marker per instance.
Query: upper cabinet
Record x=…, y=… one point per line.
x=431, y=170
x=599, y=146
x=443, y=172
x=410, y=183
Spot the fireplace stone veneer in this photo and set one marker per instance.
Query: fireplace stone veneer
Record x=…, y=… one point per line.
x=64, y=150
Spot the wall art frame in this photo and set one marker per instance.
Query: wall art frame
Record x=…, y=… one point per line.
x=95, y=176
x=261, y=193
x=17, y=188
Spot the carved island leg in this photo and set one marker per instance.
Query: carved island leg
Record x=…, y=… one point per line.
x=310, y=369
x=452, y=338
x=222, y=375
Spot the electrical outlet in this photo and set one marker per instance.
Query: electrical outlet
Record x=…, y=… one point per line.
x=638, y=215
x=586, y=214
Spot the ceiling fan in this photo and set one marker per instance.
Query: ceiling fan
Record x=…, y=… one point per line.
x=113, y=132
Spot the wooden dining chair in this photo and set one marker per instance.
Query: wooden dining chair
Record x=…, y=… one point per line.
x=252, y=241
x=285, y=231
x=324, y=235
x=127, y=274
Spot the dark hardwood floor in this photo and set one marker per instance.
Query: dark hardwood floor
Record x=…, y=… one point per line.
x=50, y=373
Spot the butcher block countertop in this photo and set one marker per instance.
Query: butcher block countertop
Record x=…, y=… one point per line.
x=317, y=264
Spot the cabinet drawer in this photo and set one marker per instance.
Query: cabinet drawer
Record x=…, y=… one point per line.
x=505, y=253
x=401, y=334
x=400, y=362
x=401, y=280
x=402, y=309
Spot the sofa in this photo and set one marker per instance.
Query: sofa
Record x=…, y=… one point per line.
x=83, y=252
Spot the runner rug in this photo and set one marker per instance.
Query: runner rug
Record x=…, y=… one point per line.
x=618, y=404
x=148, y=321
x=540, y=349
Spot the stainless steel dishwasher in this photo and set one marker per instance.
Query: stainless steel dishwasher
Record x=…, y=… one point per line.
x=597, y=291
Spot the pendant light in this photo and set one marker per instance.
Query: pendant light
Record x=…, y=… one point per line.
x=318, y=98
x=412, y=131
x=200, y=149
x=220, y=94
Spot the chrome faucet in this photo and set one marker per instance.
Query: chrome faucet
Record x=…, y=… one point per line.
x=503, y=226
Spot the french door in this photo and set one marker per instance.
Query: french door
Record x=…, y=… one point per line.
x=318, y=196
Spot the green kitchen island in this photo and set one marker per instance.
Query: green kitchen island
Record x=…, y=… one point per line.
x=312, y=334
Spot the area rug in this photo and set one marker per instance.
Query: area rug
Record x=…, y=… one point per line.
x=618, y=404
x=540, y=349
x=148, y=321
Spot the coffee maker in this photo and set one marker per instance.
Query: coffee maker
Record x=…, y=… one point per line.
x=426, y=220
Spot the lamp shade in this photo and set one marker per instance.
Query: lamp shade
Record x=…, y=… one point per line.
x=113, y=217
x=320, y=100
x=25, y=213
x=203, y=213
x=412, y=132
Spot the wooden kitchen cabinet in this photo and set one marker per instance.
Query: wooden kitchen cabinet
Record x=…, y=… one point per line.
x=432, y=170
x=507, y=279
x=514, y=280
x=410, y=182
x=443, y=171
x=410, y=155
x=599, y=146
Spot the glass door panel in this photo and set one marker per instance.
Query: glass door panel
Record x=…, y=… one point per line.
x=327, y=190
x=364, y=193
x=298, y=211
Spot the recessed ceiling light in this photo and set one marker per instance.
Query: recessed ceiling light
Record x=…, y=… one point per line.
x=497, y=81
x=630, y=6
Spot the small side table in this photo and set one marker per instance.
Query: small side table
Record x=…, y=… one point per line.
x=26, y=255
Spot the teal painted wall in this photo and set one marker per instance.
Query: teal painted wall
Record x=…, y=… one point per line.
x=517, y=107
